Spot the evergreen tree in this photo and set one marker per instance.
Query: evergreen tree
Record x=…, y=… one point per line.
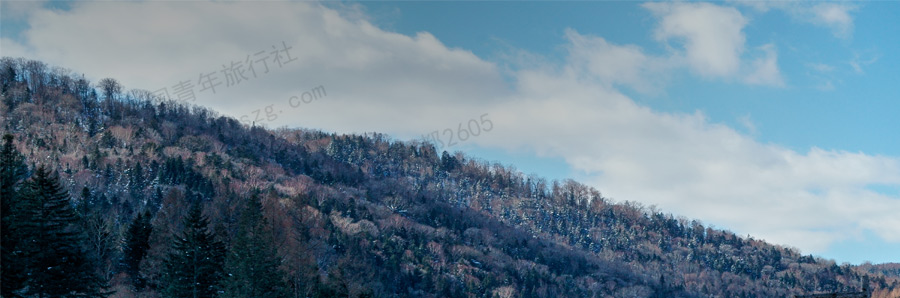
x=87, y=200
x=136, y=182
x=12, y=170
x=7, y=79
x=12, y=266
x=448, y=162
x=137, y=242
x=252, y=263
x=58, y=262
x=194, y=267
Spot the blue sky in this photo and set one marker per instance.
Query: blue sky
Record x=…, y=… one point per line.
x=728, y=112
x=854, y=114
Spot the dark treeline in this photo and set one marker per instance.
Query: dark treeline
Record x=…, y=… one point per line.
x=144, y=198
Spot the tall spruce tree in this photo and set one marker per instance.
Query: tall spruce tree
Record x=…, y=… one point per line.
x=58, y=261
x=12, y=264
x=137, y=242
x=12, y=171
x=194, y=267
x=252, y=262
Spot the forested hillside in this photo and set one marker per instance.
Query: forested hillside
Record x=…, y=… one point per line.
x=165, y=199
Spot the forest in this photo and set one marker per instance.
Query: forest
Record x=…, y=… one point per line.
x=108, y=192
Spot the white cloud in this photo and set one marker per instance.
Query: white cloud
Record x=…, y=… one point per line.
x=764, y=70
x=409, y=85
x=713, y=42
x=836, y=16
x=10, y=48
x=386, y=75
x=612, y=64
x=19, y=10
x=712, y=35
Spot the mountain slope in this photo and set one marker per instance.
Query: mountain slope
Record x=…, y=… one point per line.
x=364, y=215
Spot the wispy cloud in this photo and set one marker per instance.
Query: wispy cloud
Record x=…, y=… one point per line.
x=823, y=74
x=835, y=16
x=820, y=67
x=861, y=60
x=764, y=70
x=615, y=65
x=747, y=122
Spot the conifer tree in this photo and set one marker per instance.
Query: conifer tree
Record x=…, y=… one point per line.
x=252, y=262
x=12, y=266
x=58, y=261
x=136, y=182
x=12, y=170
x=137, y=242
x=194, y=267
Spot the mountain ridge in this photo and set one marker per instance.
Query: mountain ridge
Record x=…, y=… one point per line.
x=364, y=215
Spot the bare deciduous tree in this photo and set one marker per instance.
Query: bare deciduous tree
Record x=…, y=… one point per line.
x=110, y=88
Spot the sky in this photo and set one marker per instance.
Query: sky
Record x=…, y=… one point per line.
x=776, y=120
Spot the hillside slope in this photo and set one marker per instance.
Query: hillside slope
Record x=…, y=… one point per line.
x=364, y=215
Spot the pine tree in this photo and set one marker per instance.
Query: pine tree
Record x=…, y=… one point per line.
x=58, y=261
x=194, y=267
x=12, y=265
x=137, y=242
x=252, y=263
x=12, y=170
x=136, y=182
